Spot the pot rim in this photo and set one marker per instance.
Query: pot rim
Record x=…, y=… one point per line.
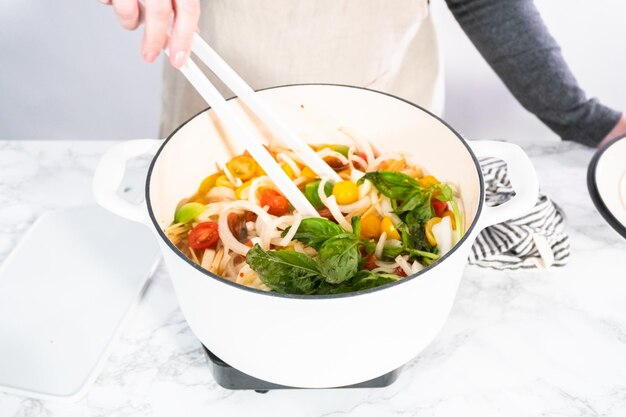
x=456, y=247
x=594, y=193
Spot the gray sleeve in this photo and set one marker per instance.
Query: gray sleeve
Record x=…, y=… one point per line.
x=512, y=37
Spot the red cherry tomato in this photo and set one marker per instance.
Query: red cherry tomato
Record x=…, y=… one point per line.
x=203, y=236
x=440, y=207
x=277, y=203
x=399, y=271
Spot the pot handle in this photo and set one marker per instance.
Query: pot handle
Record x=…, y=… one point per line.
x=521, y=174
x=110, y=172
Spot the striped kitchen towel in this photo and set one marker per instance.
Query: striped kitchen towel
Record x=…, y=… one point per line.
x=535, y=240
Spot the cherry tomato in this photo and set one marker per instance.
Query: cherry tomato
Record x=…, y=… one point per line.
x=370, y=226
x=277, y=203
x=399, y=271
x=235, y=225
x=203, y=236
x=243, y=167
x=440, y=207
x=370, y=262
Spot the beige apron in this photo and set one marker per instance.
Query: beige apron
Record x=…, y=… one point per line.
x=380, y=44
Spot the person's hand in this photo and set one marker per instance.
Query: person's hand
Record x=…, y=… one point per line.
x=157, y=15
x=618, y=130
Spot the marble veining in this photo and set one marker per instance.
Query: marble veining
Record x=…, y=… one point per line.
x=524, y=343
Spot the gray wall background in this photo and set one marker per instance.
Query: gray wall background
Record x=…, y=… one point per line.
x=68, y=72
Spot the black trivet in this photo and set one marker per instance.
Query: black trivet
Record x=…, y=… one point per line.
x=231, y=378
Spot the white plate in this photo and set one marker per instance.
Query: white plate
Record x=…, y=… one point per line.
x=65, y=292
x=607, y=183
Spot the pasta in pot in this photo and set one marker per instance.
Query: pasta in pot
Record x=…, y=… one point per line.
x=384, y=221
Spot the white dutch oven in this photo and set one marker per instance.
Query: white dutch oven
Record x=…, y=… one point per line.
x=317, y=341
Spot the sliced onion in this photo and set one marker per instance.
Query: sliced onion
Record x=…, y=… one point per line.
x=254, y=187
x=297, y=219
x=357, y=207
x=375, y=202
x=444, y=235
x=331, y=203
x=380, y=245
x=323, y=153
x=292, y=164
x=320, y=192
x=362, y=143
x=383, y=157
x=390, y=270
x=355, y=158
x=216, y=261
x=416, y=267
x=365, y=188
x=285, y=221
x=207, y=258
x=404, y=265
x=228, y=240
x=218, y=194
x=301, y=180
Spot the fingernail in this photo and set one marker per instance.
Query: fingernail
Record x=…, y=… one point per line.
x=150, y=56
x=180, y=58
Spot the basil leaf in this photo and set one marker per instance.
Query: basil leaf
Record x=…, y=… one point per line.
x=338, y=258
x=314, y=231
x=445, y=193
x=356, y=226
x=284, y=271
x=416, y=226
x=418, y=199
x=394, y=185
x=363, y=280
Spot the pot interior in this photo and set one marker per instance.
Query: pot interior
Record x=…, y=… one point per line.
x=315, y=112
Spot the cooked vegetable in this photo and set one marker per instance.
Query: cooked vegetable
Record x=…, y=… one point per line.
x=207, y=184
x=311, y=193
x=346, y=192
x=384, y=221
x=342, y=149
x=277, y=203
x=315, y=231
x=370, y=226
x=188, y=212
x=203, y=236
x=387, y=226
x=243, y=167
x=223, y=181
x=429, y=230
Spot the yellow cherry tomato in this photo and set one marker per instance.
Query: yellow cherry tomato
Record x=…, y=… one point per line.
x=450, y=214
x=309, y=173
x=288, y=170
x=223, y=181
x=207, y=184
x=242, y=192
x=429, y=230
x=346, y=192
x=428, y=181
x=387, y=226
x=243, y=167
x=370, y=226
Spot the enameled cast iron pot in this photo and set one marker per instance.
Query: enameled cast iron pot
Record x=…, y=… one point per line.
x=317, y=341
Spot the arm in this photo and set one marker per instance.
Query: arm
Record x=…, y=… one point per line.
x=513, y=39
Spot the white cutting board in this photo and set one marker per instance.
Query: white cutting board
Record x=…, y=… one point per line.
x=65, y=292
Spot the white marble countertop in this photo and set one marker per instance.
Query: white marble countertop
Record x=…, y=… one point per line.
x=529, y=343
